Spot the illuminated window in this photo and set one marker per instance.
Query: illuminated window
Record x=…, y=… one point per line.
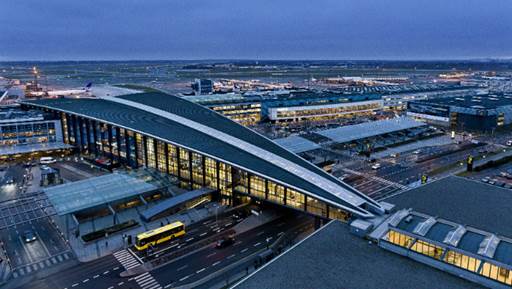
x=295, y=199
x=257, y=187
x=399, y=239
x=150, y=148
x=210, y=173
x=316, y=207
x=462, y=261
x=275, y=193
x=428, y=249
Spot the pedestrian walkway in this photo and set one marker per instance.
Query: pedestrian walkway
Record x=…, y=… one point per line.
x=89, y=251
x=127, y=259
x=146, y=281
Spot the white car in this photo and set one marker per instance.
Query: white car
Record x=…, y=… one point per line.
x=376, y=167
x=47, y=160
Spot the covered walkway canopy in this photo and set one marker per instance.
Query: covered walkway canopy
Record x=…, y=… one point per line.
x=369, y=129
x=77, y=196
x=174, y=202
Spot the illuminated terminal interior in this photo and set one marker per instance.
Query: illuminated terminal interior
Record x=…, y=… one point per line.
x=444, y=243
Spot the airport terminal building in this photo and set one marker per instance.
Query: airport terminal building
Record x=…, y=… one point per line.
x=469, y=112
x=202, y=149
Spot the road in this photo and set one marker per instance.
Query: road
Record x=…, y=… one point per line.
x=104, y=272
x=200, y=264
x=22, y=211
x=395, y=173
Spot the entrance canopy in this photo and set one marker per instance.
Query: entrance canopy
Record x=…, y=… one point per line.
x=77, y=196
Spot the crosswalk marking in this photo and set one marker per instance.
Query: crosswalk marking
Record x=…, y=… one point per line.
x=147, y=281
x=126, y=259
x=32, y=268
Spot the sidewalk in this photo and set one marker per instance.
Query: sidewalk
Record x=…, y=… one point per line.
x=102, y=247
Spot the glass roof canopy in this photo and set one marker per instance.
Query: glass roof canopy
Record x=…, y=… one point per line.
x=89, y=193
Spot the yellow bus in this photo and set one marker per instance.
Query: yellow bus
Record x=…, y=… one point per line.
x=159, y=235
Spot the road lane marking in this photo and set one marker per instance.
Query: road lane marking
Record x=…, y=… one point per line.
x=200, y=235
x=216, y=263
x=257, y=244
x=184, y=278
x=120, y=283
x=115, y=268
x=74, y=285
x=105, y=273
x=211, y=254
x=190, y=239
x=244, y=250
x=201, y=270
x=182, y=267
x=227, y=225
x=260, y=233
x=85, y=281
x=230, y=256
x=95, y=276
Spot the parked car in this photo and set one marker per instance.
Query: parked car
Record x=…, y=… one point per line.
x=376, y=166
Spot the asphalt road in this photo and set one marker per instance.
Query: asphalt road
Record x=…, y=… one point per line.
x=100, y=273
x=208, y=260
x=21, y=212
x=104, y=272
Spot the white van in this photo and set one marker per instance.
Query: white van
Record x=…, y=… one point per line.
x=47, y=160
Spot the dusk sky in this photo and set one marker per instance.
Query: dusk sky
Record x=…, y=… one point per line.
x=262, y=29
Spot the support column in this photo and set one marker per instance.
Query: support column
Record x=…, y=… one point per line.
x=191, y=181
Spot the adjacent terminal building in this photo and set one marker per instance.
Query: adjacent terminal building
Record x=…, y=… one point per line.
x=485, y=112
x=202, y=149
x=28, y=132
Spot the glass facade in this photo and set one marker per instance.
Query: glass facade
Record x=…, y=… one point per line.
x=172, y=152
x=141, y=152
x=455, y=258
x=150, y=152
x=316, y=207
x=275, y=193
x=462, y=261
x=211, y=176
x=428, y=249
x=258, y=187
x=161, y=157
x=30, y=132
x=497, y=273
x=197, y=171
x=192, y=169
x=399, y=239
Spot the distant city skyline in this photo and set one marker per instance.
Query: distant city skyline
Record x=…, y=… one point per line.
x=264, y=29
